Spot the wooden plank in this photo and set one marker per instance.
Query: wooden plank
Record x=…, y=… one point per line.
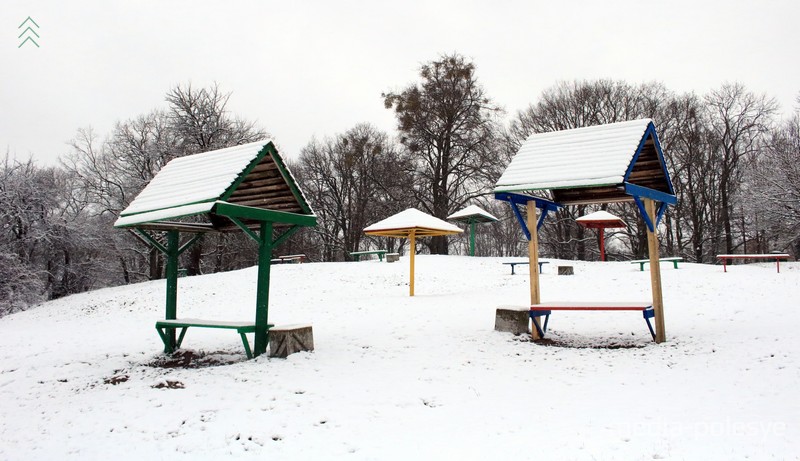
x=533, y=262
x=412, y=251
x=261, y=190
x=205, y=323
x=655, y=272
x=584, y=306
x=262, y=167
x=286, y=201
x=276, y=192
x=262, y=181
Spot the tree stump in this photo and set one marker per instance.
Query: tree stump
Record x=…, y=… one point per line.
x=513, y=319
x=392, y=257
x=288, y=339
x=565, y=270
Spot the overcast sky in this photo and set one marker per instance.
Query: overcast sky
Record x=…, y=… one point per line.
x=316, y=68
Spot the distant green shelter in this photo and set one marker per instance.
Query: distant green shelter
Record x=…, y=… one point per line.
x=471, y=216
x=242, y=188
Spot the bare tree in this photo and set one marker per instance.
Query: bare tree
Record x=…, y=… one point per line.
x=352, y=180
x=448, y=125
x=776, y=188
x=200, y=121
x=738, y=121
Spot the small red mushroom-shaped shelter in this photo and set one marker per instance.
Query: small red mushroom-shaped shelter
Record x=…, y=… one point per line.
x=601, y=220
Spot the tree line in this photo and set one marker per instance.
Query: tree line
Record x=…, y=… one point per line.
x=733, y=163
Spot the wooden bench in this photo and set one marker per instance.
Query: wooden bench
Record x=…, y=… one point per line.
x=641, y=262
x=293, y=258
x=358, y=254
x=162, y=326
x=525, y=263
x=544, y=309
x=776, y=256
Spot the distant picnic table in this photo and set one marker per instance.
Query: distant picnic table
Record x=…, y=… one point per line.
x=641, y=262
x=525, y=263
x=776, y=256
x=299, y=258
x=358, y=254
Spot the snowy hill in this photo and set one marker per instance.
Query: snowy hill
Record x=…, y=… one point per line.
x=394, y=377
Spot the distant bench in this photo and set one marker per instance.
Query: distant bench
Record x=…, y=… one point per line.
x=241, y=327
x=358, y=254
x=292, y=258
x=641, y=262
x=525, y=263
x=776, y=256
x=544, y=309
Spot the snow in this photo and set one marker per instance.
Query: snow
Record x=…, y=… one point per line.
x=600, y=216
x=410, y=219
x=590, y=156
x=425, y=377
x=194, y=178
x=472, y=210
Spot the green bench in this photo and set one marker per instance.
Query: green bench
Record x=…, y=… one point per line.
x=641, y=262
x=358, y=254
x=162, y=326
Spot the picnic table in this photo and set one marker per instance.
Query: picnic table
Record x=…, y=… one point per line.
x=641, y=262
x=525, y=263
x=776, y=256
x=358, y=254
x=293, y=258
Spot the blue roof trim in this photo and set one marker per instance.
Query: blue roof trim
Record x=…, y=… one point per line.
x=658, y=196
x=523, y=199
x=520, y=199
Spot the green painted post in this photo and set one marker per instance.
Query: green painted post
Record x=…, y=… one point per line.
x=262, y=289
x=172, y=285
x=472, y=237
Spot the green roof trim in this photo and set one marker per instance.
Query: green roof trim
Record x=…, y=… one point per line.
x=263, y=215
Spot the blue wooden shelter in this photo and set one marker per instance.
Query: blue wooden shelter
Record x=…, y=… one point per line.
x=618, y=162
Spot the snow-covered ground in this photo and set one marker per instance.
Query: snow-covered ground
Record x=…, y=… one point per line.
x=394, y=377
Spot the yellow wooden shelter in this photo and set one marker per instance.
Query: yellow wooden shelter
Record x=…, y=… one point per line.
x=411, y=224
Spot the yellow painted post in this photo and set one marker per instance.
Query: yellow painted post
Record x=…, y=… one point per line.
x=655, y=272
x=413, y=250
x=533, y=261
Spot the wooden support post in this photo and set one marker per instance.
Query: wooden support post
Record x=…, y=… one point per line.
x=602, y=232
x=655, y=272
x=262, y=289
x=533, y=262
x=413, y=250
x=173, y=240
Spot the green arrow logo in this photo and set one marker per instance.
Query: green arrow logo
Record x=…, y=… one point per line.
x=28, y=32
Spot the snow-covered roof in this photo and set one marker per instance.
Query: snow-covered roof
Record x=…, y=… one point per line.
x=473, y=212
x=413, y=219
x=195, y=178
x=597, y=164
x=251, y=175
x=600, y=216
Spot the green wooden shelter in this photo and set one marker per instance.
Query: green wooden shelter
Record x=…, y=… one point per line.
x=471, y=216
x=242, y=188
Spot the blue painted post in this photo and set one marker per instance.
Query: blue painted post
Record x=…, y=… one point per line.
x=262, y=289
